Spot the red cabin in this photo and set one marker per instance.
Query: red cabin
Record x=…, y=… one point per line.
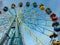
x=54, y=18
x=52, y=15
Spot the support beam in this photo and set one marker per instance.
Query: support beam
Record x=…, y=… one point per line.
x=18, y=37
x=5, y=36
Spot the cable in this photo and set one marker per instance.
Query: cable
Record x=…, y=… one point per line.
x=27, y=29
x=40, y=26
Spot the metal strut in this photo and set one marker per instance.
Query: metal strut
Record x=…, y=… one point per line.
x=18, y=37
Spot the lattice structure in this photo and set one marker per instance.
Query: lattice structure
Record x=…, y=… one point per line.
x=31, y=18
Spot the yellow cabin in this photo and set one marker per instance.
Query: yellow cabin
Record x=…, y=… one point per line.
x=42, y=7
x=13, y=6
x=56, y=42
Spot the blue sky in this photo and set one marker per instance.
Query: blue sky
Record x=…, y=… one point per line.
x=53, y=4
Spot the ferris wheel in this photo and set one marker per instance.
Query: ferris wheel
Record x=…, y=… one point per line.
x=31, y=19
